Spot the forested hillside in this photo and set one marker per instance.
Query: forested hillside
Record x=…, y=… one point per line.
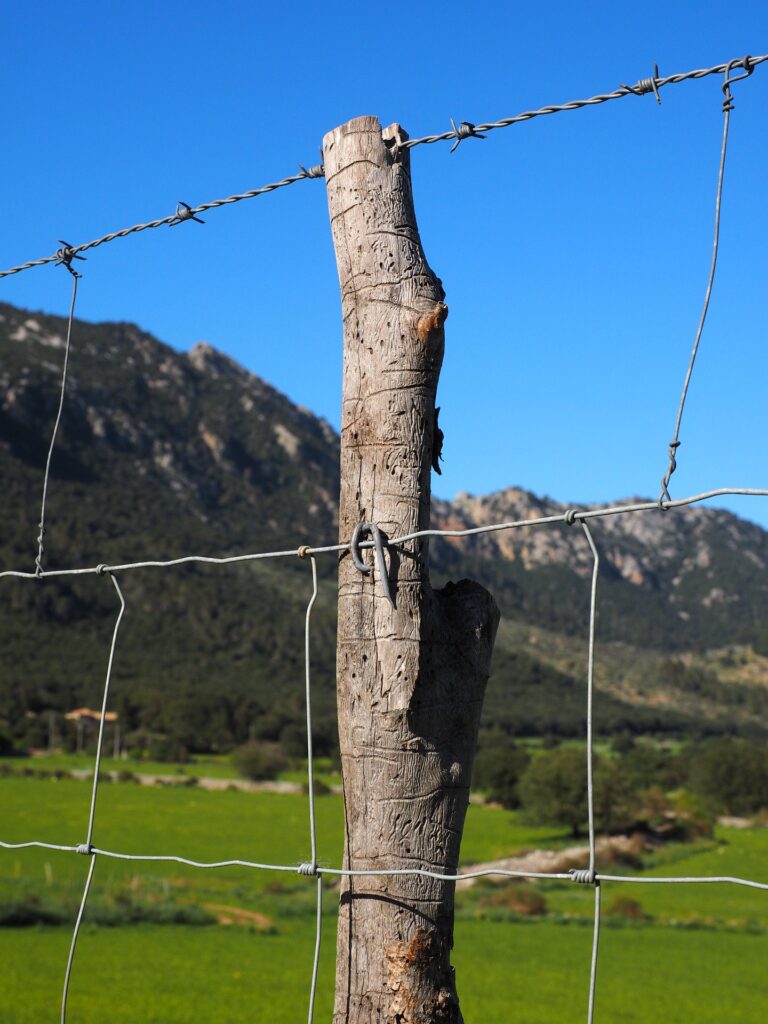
x=163, y=454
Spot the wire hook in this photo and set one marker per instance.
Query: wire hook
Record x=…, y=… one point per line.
x=740, y=62
x=378, y=544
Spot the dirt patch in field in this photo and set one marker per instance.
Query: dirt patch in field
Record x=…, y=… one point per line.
x=610, y=849
x=239, y=915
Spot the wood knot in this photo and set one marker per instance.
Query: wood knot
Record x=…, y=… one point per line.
x=431, y=322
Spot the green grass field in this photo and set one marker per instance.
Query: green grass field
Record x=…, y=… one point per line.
x=532, y=971
x=210, y=766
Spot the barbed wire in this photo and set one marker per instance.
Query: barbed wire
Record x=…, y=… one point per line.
x=183, y=212
x=466, y=129
x=457, y=134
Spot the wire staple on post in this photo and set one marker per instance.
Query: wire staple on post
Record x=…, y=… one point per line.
x=378, y=543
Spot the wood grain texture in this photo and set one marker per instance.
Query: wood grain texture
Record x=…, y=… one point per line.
x=410, y=678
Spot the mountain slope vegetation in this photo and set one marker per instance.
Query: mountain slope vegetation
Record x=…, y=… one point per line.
x=163, y=454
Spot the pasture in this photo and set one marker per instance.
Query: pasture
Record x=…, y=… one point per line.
x=700, y=954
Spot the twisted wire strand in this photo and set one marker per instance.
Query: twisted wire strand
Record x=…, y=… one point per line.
x=642, y=87
x=188, y=213
x=457, y=134
x=582, y=515
x=39, y=568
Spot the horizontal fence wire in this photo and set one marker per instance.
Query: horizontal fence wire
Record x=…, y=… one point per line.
x=304, y=550
x=457, y=134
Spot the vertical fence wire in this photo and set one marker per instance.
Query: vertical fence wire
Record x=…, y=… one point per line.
x=75, y=935
x=590, y=766
x=674, y=444
x=39, y=567
x=312, y=868
x=86, y=848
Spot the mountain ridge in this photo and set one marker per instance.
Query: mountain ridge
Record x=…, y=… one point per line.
x=164, y=454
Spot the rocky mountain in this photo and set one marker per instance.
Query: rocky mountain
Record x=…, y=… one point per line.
x=162, y=454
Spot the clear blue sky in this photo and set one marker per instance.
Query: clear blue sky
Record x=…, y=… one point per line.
x=574, y=249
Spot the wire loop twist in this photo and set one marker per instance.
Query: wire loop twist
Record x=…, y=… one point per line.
x=65, y=255
x=584, y=876
x=316, y=171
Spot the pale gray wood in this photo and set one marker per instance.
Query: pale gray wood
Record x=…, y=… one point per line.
x=410, y=679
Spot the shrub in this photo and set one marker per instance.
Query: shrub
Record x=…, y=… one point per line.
x=320, y=788
x=518, y=897
x=627, y=907
x=258, y=760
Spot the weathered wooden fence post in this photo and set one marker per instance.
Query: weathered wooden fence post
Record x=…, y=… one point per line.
x=411, y=674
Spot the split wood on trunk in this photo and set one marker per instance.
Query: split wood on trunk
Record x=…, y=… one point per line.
x=411, y=674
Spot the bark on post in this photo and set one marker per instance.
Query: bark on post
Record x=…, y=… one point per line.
x=410, y=677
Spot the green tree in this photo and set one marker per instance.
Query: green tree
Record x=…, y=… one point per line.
x=732, y=773
x=498, y=767
x=616, y=797
x=553, y=789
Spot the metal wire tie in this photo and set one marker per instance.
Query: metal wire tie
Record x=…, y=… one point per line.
x=742, y=62
x=65, y=255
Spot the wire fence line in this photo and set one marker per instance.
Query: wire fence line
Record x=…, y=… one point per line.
x=303, y=550
x=314, y=868
x=458, y=133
